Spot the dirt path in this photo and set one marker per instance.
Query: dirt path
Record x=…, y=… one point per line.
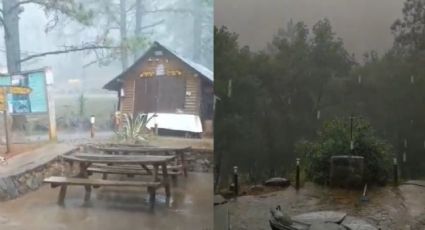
x=388, y=208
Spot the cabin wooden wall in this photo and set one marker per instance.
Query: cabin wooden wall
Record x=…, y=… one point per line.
x=127, y=101
x=193, y=95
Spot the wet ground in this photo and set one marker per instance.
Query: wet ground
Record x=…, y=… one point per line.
x=191, y=207
x=399, y=208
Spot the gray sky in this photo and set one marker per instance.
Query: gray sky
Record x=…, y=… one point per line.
x=362, y=24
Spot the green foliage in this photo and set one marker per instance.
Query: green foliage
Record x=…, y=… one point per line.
x=134, y=128
x=137, y=43
x=275, y=95
x=281, y=95
x=334, y=139
x=71, y=9
x=409, y=30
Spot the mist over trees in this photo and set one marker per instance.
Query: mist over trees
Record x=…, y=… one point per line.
x=273, y=99
x=100, y=36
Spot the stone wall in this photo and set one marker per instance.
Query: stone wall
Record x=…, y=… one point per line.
x=11, y=187
x=200, y=160
x=14, y=186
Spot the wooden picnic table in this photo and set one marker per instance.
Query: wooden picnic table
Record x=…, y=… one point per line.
x=140, y=149
x=126, y=150
x=87, y=159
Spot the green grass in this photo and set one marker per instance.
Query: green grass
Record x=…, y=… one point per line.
x=100, y=106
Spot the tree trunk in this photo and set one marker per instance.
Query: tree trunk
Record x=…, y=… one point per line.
x=11, y=36
x=123, y=33
x=138, y=27
x=13, y=47
x=197, y=29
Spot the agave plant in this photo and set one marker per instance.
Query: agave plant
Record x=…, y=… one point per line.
x=134, y=129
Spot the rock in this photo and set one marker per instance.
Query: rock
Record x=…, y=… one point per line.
x=3, y=220
x=30, y=183
x=256, y=188
x=277, y=181
x=326, y=226
x=281, y=216
x=219, y=199
x=321, y=216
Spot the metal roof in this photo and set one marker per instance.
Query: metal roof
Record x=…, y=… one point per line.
x=198, y=67
x=202, y=70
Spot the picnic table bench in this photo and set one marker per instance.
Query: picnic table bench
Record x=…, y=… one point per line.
x=85, y=160
x=137, y=150
x=131, y=170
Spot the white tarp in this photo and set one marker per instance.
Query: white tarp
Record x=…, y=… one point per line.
x=173, y=121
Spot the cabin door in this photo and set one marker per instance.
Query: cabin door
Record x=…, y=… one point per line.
x=160, y=94
x=171, y=94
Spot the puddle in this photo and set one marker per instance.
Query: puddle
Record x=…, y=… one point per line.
x=191, y=207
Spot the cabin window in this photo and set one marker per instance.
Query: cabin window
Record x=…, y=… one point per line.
x=160, y=71
x=158, y=53
x=122, y=92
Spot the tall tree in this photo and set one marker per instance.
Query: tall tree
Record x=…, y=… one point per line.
x=10, y=22
x=123, y=34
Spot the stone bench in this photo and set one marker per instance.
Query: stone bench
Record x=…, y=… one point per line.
x=63, y=182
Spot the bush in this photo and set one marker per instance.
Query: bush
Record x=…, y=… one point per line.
x=134, y=130
x=334, y=139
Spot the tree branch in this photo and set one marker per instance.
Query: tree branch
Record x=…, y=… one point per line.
x=6, y=30
x=168, y=11
x=66, y=50
x=20, y=3
x=152, y=25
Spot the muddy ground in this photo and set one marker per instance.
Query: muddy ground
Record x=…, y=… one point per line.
x=399, y=208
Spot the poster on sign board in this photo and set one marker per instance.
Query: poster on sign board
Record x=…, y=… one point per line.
x=32, y=103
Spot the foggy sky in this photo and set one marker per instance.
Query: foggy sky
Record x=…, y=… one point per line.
x=363, y=24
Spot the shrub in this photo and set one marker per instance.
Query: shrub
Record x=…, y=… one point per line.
x=334, y=139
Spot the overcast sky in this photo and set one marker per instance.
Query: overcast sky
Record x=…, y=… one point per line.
x=362, y=24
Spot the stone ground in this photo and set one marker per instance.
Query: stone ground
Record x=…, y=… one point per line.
x=109, y=209
x=191, y=206
x=399, y=208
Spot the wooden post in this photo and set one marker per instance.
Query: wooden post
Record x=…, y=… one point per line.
x=395, y=171
x=50, y=105
x=62, y=193
x=151, y=191
x=297, y=177
x=92, y=121
x=235, y=180
x=92, y=131
x=166, y=181
x=6, y=123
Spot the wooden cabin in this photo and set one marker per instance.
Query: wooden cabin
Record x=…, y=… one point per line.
x=161, y=81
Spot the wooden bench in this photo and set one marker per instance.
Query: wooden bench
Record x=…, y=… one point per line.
x=63, y=182
x=131, y=170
